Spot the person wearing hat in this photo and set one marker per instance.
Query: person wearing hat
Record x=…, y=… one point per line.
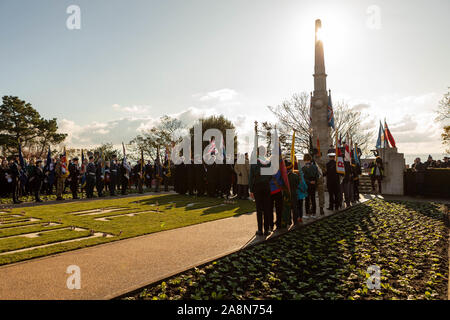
x=74, y=175
x=36, y=178
x=332, y=182
x=14, y=170
x=259, y=185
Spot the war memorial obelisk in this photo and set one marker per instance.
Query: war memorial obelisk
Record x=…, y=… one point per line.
x=321, y=132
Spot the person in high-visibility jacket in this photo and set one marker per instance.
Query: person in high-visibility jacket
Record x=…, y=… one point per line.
x=376, y=173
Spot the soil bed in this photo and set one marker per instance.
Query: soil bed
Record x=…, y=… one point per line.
x=329, y=259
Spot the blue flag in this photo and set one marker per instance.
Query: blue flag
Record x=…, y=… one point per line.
x=380, y=140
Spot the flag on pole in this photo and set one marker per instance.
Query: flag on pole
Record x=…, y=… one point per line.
x=280, y=178
x=124, y=161
x=347, y=156
x=254, y=156
x=388, y=136
x=340, y=167
x=330, y=112
x=356, y=154
x=293, y=157
x=65, y=170
x=380, y=140
x=311, y=146
x=83, y=169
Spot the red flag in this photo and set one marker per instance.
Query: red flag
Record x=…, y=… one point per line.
x=388, y=135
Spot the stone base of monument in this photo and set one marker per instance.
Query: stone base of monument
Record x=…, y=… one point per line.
x=394, y=167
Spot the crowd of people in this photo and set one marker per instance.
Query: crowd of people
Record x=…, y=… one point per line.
x=296, y=199
x=240, y=180
x=54, y=175
x=430, y=163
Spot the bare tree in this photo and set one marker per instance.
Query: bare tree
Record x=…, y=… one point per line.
x=294, y=114
x=443, y=111
x=443, y=115
x=166, y=133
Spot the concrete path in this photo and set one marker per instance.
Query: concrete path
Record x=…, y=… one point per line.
x=113, y=269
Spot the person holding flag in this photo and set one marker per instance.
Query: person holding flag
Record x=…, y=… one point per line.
x=125, y=171
x=279, y=183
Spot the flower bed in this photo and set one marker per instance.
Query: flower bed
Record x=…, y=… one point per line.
x=329, y=259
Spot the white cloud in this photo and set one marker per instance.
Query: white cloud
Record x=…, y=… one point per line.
x=221, y=95
x=135, y=109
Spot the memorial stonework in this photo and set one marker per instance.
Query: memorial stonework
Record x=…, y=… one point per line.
x=394, y=167
x=319, y=100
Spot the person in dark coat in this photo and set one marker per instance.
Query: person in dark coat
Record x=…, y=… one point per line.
x=376, y=173
x=100, y=178
x=5, y=179
x=260, y=191
x=148, y=173
x=36, y=178
x=200, y=177
x=225, y=175
x=15, y=176
x=347, y=183
x=332, y=183
x=74, y=175
x=211, y=178
x=91, y=174
x=114, y=175
x=190, y=175
x=124, y=178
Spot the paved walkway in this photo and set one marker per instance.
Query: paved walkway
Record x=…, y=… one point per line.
x=113, y=269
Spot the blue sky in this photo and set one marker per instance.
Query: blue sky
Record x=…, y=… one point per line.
x=134, y=61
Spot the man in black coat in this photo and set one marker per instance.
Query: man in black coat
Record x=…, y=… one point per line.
x=211, y=178
x=15, y=176
x=114, y=175
x=74, y=175
x=190, y=170
x=124, y=177
x=332, y=183
x=36, y=179
x=91, y=175
x=200, y=176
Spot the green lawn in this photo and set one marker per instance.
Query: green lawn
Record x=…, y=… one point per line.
x=101, y=221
